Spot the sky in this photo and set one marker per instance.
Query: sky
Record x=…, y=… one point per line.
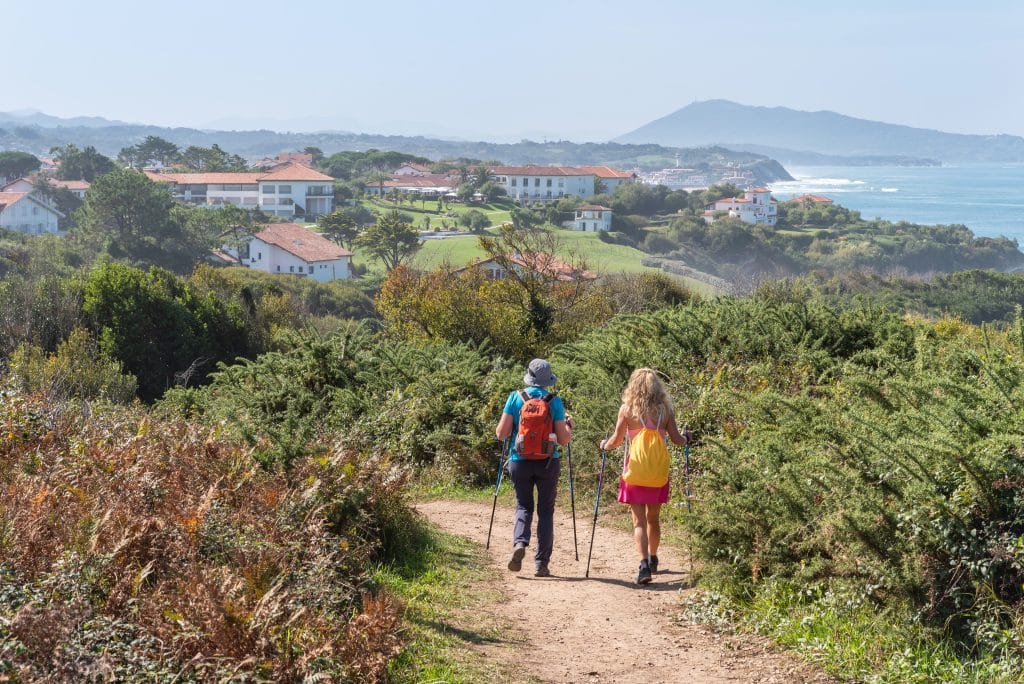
x=577, y=70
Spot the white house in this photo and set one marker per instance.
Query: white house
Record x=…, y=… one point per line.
x=549, y=183
x=26, y=213
x=756, y=206
x=412, y=169
x=291, y=248
x=592, y=218
x=289, y=190
x=545, y=265
x=78, y=188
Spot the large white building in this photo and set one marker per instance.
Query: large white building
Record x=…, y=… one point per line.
x=291, y=248
x=756, y=206
x=25, y=213
x=549, y=183
x=290, y=190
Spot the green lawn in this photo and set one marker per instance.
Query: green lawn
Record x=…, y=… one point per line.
x=601, y=257
x=498, y=212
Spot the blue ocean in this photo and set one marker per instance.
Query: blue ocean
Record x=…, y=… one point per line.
x=988, y=199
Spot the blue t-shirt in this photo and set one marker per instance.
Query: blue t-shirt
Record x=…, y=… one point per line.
x=515, y=404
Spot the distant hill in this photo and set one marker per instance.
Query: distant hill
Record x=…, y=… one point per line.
x=16, y=134
x=31, y=117
x=721, y=122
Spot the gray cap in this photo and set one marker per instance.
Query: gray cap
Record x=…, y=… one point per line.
x=538, y=374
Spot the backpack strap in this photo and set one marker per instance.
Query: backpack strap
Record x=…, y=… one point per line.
x=549, y=396
x=524, y=396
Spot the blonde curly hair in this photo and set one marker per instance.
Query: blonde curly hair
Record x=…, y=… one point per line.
x=645, y=397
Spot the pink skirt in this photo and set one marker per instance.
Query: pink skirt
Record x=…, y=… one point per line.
x=636, y=494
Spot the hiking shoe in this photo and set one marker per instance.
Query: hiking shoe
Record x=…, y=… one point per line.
x=515, y=563
x=542, y=571
x=654, y=564
x=644, y=576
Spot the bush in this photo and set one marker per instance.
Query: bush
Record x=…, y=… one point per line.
x=135, y=549
x=75, y=370
x=475, y=220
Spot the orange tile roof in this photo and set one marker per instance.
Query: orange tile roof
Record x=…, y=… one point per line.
x=215, y=178
x=594, y=207
x=296, y=172
x=818, y=199
x=607, y=172
x=71, y=184
x=8, y=198
x=539, y=171
x=301, y=242
x=291, y=171
x=759, y=190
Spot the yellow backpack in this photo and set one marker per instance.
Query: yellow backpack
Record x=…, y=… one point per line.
x=648, y=461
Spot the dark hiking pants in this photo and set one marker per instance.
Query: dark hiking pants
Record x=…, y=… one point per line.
x=544, y=476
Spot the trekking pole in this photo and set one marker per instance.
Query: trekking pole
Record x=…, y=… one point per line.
x=597, y=502
x=572, y=498
x=686, y=469
x=501, y=469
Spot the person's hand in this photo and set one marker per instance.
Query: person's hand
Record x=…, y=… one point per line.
x=569, y=421
x=603, y=442
x=688, y=435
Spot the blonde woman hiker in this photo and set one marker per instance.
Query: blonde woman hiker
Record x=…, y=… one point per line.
x=645, y=419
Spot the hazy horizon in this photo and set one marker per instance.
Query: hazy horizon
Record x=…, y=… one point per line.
x=573, y=70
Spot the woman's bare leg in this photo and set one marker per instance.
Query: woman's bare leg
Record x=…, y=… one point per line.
x=653, y=528
x=640, y=529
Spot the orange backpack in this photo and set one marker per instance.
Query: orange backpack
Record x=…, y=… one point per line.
x=534, y=440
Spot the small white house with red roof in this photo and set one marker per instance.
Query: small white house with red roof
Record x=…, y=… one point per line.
x=296, y=250
x=545, y=265
x=591, y=218
x=24, y=212
x=756, y=206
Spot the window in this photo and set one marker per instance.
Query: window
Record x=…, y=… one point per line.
x=284, y=189
x=268, y=189
x=561, y=182
x=536, y=182
x=549, y=182
x=35, y=211
x=291, y=269
x=513, y=182
x=285, y=201
x=259, y=255
x=278, y=269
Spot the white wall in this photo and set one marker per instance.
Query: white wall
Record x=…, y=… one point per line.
x=26, y=216
x=273, y=259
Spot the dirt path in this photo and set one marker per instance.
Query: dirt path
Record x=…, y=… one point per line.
x=605, y=628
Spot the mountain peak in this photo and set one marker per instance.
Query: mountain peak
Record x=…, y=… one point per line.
x=734, y=125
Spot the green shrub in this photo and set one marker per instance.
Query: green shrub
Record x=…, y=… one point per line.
x=76, y=370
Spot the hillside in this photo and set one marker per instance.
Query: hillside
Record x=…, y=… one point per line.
x=37, y=133
x=721, y=122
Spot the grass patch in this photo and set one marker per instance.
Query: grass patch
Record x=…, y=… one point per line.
x=440, y=579
x=849, y=637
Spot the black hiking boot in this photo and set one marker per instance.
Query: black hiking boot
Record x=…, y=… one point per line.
x=515, y=563
x=644, y=576
x=654, y=564
x=542, y=571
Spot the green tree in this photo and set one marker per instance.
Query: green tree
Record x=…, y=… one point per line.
x=162, y=331
x=17, y=165
x=340, y=226
x=129, y=216
x=211, y=159
x=80, y=164
x=475, y=220
x=392, y=239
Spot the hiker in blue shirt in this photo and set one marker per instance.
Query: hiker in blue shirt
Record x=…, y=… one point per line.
x=534, y=460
